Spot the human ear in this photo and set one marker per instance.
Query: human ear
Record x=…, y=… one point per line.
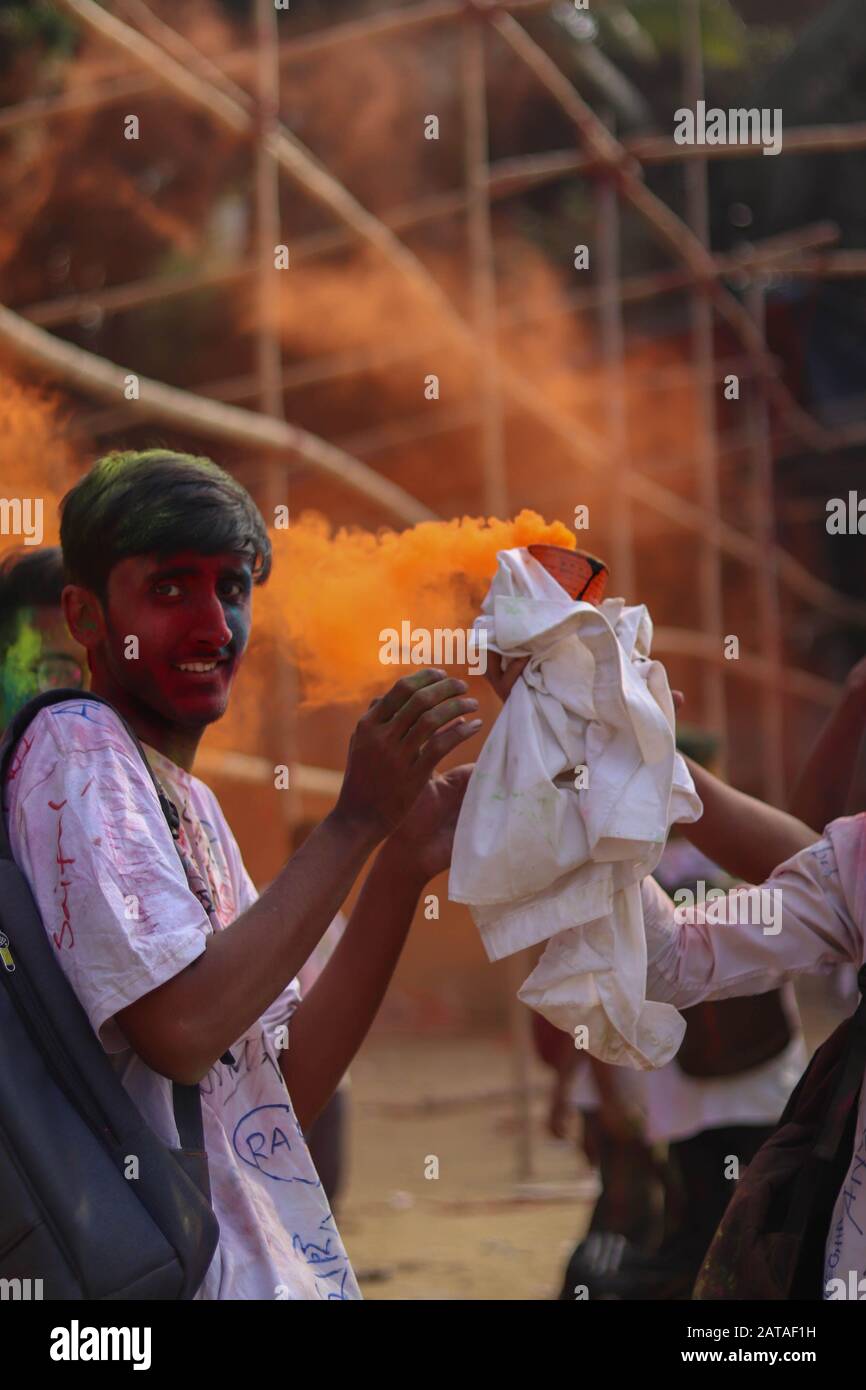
x=84, y=617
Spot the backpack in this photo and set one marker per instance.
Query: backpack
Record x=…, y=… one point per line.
x=770, y=1242
x=68, y=1213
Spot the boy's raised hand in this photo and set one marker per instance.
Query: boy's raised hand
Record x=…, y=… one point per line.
x=426, y=836
x=397, y=744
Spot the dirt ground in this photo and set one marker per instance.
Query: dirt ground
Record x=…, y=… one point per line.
x=469, y=1233
x=473, y=1231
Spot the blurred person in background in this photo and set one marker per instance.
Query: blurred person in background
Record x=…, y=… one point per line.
x=37, y=651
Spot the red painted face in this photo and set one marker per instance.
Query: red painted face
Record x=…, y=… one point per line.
x=191, y=615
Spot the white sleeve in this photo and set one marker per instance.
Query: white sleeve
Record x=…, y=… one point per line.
x=754, y=939
x=89, y=835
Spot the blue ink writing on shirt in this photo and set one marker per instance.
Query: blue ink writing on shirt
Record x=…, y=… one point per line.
x=260, y=1141
x=326, y=1262
x=85, y=711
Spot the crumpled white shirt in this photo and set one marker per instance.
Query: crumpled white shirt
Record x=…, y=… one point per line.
x=535, y=858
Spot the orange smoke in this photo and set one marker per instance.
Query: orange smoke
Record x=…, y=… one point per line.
x=36, y=459
x=330, y=595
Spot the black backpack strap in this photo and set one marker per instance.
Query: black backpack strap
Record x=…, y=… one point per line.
x=186, y=1100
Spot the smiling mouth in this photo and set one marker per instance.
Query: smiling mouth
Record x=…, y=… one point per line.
x=199, y=667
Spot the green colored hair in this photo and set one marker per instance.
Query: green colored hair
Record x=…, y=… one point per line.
x=156, y=501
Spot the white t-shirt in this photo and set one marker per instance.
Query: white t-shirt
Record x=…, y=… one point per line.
x=88, y=832
x=822, y=894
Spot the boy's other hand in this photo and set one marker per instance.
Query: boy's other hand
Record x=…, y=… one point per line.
x=397, y=744
x=501, y=680
x=425, y=838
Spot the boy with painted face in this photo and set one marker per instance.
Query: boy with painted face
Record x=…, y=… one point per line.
x=163, y=552
x=37, y=651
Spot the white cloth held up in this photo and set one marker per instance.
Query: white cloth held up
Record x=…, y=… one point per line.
x=536, y=859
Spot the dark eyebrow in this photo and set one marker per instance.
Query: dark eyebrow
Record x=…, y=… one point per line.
x=173, y=572
x=190, y=571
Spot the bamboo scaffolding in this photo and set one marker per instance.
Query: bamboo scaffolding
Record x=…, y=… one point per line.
x=661, y=220
x=315, y=179
x=677, y=510
x=94, y=375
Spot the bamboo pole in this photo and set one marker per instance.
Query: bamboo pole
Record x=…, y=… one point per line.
x=521, y=173
x=397, y=433
x=75, y=102
x=282, y=733
x=415, y=19
x=473, y=86
x=669, y=641
x=703, y=352
x=481, y=260
x=211, y=419
x=154, y=289
x=410, y=20
x=773, y=255
x=268, y=354
x=185, y=52
x=769, y=611
x=612, y=338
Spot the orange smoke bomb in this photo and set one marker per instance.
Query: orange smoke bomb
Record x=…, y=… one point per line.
x=583, y=576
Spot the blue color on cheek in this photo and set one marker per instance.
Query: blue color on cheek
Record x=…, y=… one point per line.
x=239, y=621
